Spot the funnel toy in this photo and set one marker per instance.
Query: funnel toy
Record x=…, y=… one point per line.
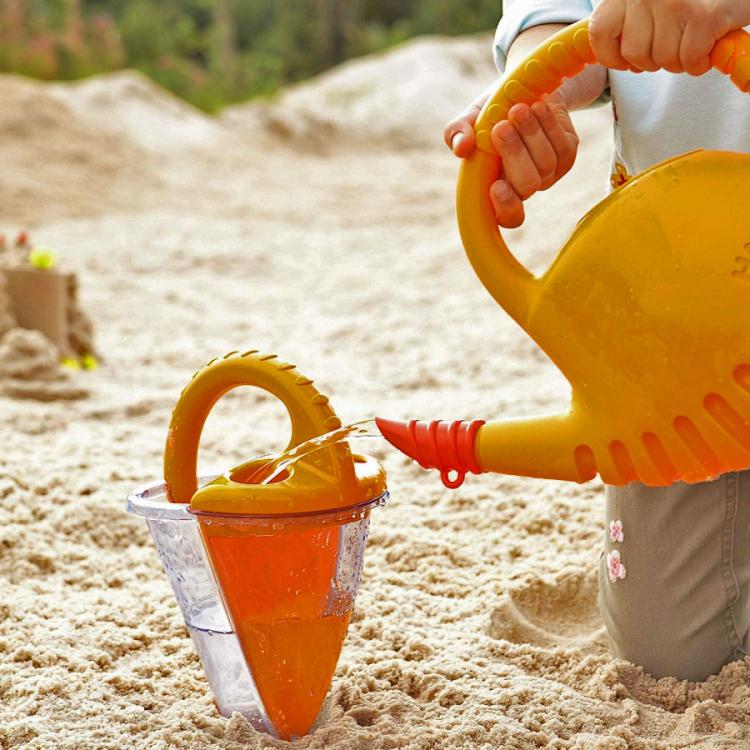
x=280, y=562
x=646, y=311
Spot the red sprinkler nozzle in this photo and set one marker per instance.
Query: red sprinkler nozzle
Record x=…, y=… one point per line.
x=445, y=446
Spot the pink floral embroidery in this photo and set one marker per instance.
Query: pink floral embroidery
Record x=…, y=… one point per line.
x=615, y=531
x=614, y=565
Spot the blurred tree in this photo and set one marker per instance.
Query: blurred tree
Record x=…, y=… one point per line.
x=222, y=52
x=447, y=17
x=338, y=20
x=387, y=12
x=217, y=51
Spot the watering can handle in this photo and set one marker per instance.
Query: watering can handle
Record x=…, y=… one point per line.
x=561, y=56
x=311, y=414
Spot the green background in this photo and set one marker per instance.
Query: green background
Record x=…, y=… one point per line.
x=213, y=52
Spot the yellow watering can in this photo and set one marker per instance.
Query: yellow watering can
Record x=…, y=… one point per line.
x=646, y=311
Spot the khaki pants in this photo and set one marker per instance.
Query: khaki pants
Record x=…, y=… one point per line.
x=677, y=600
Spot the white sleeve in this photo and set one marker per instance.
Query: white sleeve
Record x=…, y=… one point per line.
x=519, y=15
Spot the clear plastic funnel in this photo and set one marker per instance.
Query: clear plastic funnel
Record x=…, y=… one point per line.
x=266, y=599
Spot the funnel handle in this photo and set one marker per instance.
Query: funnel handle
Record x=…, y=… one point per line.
x=561, y=56
x=310, y=413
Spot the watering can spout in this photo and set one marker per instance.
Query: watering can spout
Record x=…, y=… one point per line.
x=546, y=447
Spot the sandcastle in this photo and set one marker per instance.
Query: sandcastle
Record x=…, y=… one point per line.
x=44, y=334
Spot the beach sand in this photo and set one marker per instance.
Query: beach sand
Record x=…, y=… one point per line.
x=334, y=245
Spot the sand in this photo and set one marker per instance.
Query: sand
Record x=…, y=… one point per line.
x=57, y=164
x=396, y=97
x=476, y=625
x=30, y=368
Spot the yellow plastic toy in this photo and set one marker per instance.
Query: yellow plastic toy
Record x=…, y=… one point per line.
x=286, y=555
x=646, y=311
x=327, y=478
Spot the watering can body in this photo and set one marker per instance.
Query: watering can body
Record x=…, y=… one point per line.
x=645, y=310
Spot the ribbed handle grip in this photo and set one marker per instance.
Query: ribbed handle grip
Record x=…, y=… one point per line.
x=731, y=55
x=566, y=54
x=562, y=56
x=311, y=414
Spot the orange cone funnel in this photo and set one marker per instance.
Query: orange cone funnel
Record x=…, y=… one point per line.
x=446, y=446
x=399, y=436
x=279, y=588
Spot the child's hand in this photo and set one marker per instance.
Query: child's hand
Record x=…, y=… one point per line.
x=676, y=35
x=538, y=145
x=459, y=132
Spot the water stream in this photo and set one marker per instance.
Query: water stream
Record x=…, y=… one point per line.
x=269, y=471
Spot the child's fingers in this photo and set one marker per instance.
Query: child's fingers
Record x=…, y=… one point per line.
x=563, y=140
x=459, y=137
x=457, y=126
x=605, y=31
x=537, y=144
x=459, y=132
x=557, y=105
x=637, y=36
x=462, y=142
x=508, y=206
x=665, y=49
x=520, y=170
x=695, y=47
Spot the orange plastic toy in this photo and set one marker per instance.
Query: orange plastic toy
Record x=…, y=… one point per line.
x=287, y=554
x=646, y=311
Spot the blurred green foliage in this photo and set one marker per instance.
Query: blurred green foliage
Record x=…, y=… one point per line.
x=213, y=52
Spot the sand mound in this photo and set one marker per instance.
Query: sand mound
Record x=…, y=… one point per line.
x=402, y=97
x=560, y=612
x=57, y=164
x=129, y=104
x=30, y=368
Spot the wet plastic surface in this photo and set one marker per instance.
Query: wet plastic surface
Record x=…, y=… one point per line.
x=181, y=551
x=290, y=583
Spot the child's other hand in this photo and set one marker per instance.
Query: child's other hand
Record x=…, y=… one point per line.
x=538, y=145
x=459, y=132
x=676, y=35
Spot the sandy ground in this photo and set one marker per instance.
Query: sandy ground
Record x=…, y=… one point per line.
x=476, y=624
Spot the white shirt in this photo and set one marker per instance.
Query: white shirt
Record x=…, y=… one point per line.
x=657, y=115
